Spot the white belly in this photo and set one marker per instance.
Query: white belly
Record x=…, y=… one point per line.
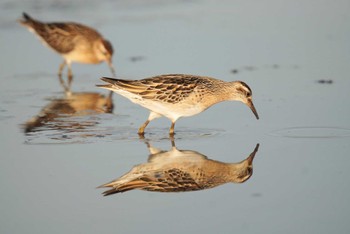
x=171, y=111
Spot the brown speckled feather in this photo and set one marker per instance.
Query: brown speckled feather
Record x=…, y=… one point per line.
x=180, y=171
x=172, y=88
x=173, y=180
x=179, y=95
x=59, y=36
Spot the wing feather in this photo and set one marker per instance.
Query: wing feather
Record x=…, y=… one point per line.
x=61, y=37
x=172, y=180
x=170, y=88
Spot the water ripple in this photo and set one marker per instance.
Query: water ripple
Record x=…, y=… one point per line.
x=97, y=133
x=312, y=132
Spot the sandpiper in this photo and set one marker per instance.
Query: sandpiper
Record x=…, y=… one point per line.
x=179, y=95
x=73, y=41
x=180, y=171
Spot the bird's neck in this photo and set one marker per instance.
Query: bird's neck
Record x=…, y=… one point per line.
x=227, y=90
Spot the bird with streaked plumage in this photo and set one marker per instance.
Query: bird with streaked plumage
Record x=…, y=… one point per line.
x=179, y=95
x=181, y=171
x=75, y=42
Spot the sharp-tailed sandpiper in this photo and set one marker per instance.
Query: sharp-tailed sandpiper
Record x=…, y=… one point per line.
x=178, y=95
x=75, y=42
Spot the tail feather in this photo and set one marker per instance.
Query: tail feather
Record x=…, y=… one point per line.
x=136, y=184
x=110, y=192
x=109, y=80
x=27, y=17
x=114, y=191
x=27, y=20
x=132, y=86
x=105, y=86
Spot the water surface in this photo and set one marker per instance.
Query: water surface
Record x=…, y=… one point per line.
x=283, y=50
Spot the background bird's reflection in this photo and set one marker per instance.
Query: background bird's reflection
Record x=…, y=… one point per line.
x=55, y=115
x=179, y=171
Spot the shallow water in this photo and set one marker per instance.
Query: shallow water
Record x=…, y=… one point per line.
x=286, y=52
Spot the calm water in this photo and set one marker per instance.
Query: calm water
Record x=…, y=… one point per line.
x=294, y=55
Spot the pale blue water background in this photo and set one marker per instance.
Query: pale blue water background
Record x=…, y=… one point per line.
x=280, y=48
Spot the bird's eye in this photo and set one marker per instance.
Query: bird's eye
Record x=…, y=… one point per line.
x=249, y=94
x=249, y=170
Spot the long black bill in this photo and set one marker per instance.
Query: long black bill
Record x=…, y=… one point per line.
x=111, y=67
x=252, y=155
x=252, y=107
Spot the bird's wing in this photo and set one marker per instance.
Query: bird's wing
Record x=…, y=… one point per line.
x=61, y=37
x=170, y=88
x=172, y=180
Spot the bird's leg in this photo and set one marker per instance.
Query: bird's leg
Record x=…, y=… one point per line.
x=109, y=103
x=70, y=76
x=152, y=115
x=172, y=139
x=171, y=131
x=142, y=128
x=142, y=137
x=61, y=68
x=63, y=84
x=110, y=94
x=112, y=70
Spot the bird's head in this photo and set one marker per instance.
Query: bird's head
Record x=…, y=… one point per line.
x=242, y=92
x=104, y=51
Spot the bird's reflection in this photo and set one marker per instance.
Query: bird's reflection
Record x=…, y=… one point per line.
x=68, y=92
x=179, y=171
x=72, y=104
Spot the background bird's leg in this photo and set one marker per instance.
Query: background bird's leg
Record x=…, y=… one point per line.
x=109, y=103
x=70, y=76
x=63, y=84
x=61, y=68
x=110, y=94
x=112, y=70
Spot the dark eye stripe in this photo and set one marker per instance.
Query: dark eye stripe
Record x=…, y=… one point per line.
x=241, y=90
x=246, y=86
x=246, y=92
